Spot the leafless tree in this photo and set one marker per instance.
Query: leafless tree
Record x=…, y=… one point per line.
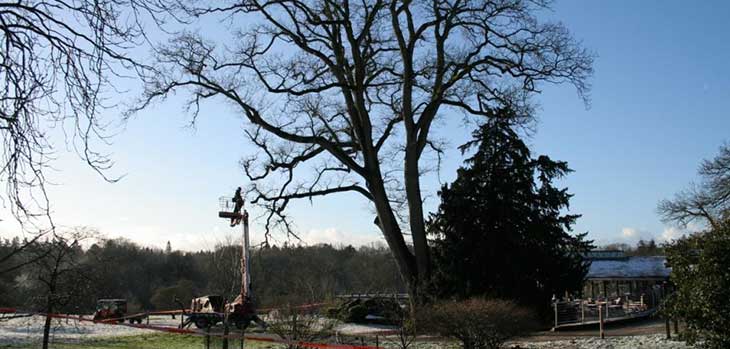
x=58, y=63
x=342, y=96
x=225, y=266
x=58, y=273
x=298, y=326
x=707, y=202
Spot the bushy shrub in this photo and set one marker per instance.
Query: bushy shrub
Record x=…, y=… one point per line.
x=356, y=313
x=701, y=275
x=385, y=311
x=332, y=312
x=477, y=323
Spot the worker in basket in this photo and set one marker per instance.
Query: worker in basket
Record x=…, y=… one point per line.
x=238, y=201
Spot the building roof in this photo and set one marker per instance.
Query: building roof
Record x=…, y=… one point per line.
x=653, y=267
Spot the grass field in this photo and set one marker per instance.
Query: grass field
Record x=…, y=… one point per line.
x=148, y=341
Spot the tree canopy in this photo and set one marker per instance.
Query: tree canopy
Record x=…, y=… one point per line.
x=341, y=96
x=502, y=217
x=149, y=278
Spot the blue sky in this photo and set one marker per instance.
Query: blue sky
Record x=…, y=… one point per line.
x=659, y=105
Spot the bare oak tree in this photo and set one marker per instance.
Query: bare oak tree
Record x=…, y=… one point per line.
x=58, y=60
x=342, y=96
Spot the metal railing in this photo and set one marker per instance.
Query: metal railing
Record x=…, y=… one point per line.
x=226, y=204
x=373, y=295
x=588, y=311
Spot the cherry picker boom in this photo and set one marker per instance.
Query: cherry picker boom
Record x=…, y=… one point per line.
x=210, y=310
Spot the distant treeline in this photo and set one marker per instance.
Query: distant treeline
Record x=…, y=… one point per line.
x=642, y=248
x=151, y=278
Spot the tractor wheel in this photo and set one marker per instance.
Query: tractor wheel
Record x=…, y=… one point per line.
x=201, y=323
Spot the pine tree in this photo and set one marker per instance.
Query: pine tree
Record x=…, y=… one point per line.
x=499, y=230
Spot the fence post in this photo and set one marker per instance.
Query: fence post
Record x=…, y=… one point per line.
x=669, y=332
x=148, y=317
x=225, y=334
x=225, y=326
x=555, y=305
x=676, y=326
x=600, y=322
x=582, y=311
x=207, y=337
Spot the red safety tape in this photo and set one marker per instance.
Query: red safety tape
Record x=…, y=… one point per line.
x=186, y=311
x=169, y=312
x=303, y=306
x=229, y=336
x=8, y=310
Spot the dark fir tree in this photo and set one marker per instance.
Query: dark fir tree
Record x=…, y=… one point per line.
x=701, y=278
x=499, y=230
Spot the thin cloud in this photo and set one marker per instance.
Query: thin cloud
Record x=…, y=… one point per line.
x=335, y=236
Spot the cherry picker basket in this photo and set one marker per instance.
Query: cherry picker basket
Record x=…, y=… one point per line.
x=227, y=208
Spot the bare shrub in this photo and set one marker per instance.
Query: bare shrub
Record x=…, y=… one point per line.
x=299, y=325
x=476, y=322
x=407, y=331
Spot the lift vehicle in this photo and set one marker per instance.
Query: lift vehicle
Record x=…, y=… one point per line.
x=207, y=311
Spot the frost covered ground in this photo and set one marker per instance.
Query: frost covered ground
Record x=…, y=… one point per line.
x=28, y=330
x=654, y=341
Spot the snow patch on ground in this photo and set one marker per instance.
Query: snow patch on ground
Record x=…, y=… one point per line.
x=654, y=341
x=358, y=329
x=30, y=329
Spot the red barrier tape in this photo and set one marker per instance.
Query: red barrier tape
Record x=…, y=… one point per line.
x=8, y=310
x=169, y=312
x=303, y=306
x=198, y=333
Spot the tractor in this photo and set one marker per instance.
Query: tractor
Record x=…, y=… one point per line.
x=114, y=310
